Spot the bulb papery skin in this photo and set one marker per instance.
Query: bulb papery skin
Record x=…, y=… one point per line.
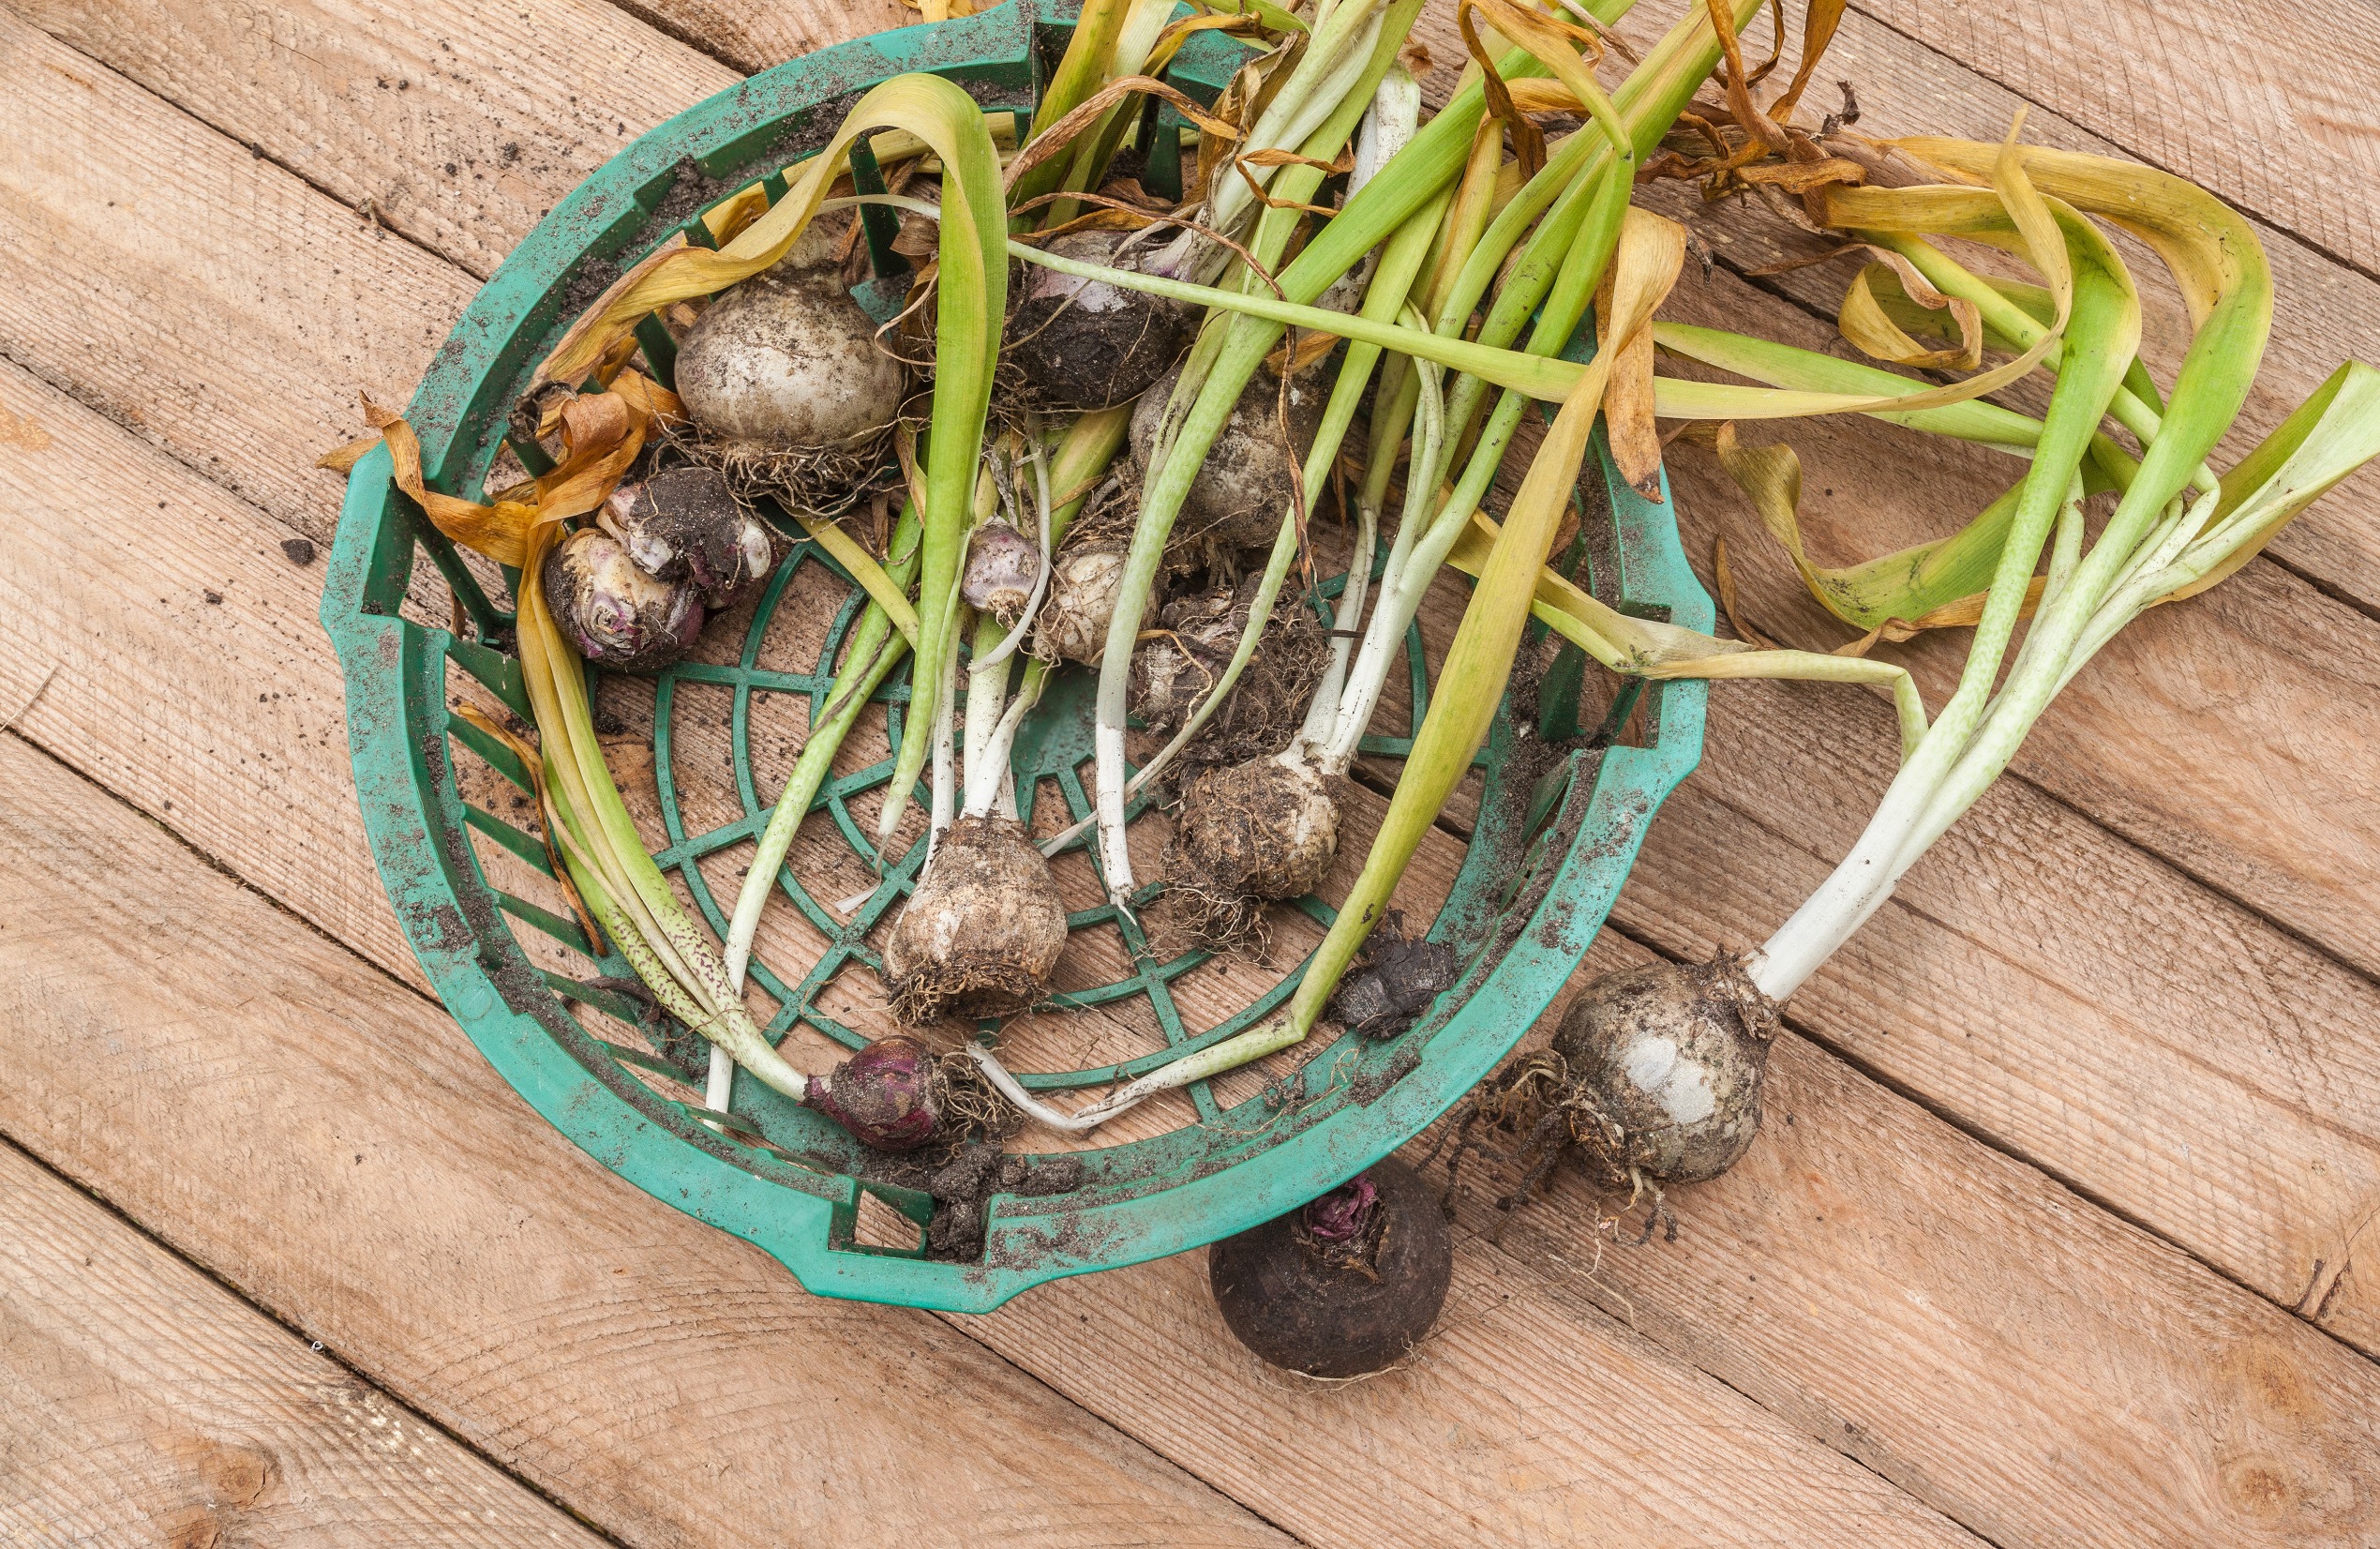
x=616, y=613
x=686, y=524
x=1085, y=344
x=787, y=362
x=1085, y=581
x=1250, y=477
x=983, y=933
x=884, y=1094
x=1002, y=564
x=1671, y=1058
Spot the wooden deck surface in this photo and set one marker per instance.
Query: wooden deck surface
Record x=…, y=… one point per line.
x=2060, y=1231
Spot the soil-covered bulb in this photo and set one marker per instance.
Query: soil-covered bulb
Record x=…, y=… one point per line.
x=1263, y=829
x=1085, y=343
x=981, y=935
x=686, y=524
x=1346, y=1284
x=1085, y=581
x=616, y=613
x=1173, y=670
x=1249, y=478
x=884, y=1094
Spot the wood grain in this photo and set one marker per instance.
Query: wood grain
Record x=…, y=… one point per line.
x=2106, y=1134
x=2223, y=1209
x=673, y=1382
x=293, y=1120
x=462, y=136
x=144, y=1405
x=752, y=35
x=306, y=306
x=2254, y=1443
x=2281, y=97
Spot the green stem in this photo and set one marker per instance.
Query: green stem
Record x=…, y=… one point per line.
x=2102, y=334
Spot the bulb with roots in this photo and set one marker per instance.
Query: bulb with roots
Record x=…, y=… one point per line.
x=1181, y=659
x=982, y=934
x=1653, y=1077
x=1343, y=1285
x=1085, y=581
x=1245, y=834
x=1252, y=471
x=897, y=1095
x=1003, y=567
x=784, y=383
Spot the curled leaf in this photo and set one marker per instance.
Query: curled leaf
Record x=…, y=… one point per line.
x=1634, y=436
x=1929, y=585
x=602, y=435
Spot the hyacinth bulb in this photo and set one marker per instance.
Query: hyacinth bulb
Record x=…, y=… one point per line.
x=1085, y=343
x=885, y=1095
x=1002, y=566
x=1086, y=582
x=615, y=612
x=981, y=935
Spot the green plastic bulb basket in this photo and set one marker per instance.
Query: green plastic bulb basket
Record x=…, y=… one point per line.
x=1566, y=798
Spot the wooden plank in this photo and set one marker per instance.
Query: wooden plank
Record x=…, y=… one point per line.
x=1149, y=1401
x=752, y=38
x=462, y=137
x=326, y=1141
x=144, y=1404
x=2220, y=1206
x=310, y=306
x=670, y=1380
x=2283, y=94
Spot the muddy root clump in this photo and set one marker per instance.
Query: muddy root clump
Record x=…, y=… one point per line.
x=1083, y=344
x=1182, y=661
x=1393, y=979
x=1244, y=834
